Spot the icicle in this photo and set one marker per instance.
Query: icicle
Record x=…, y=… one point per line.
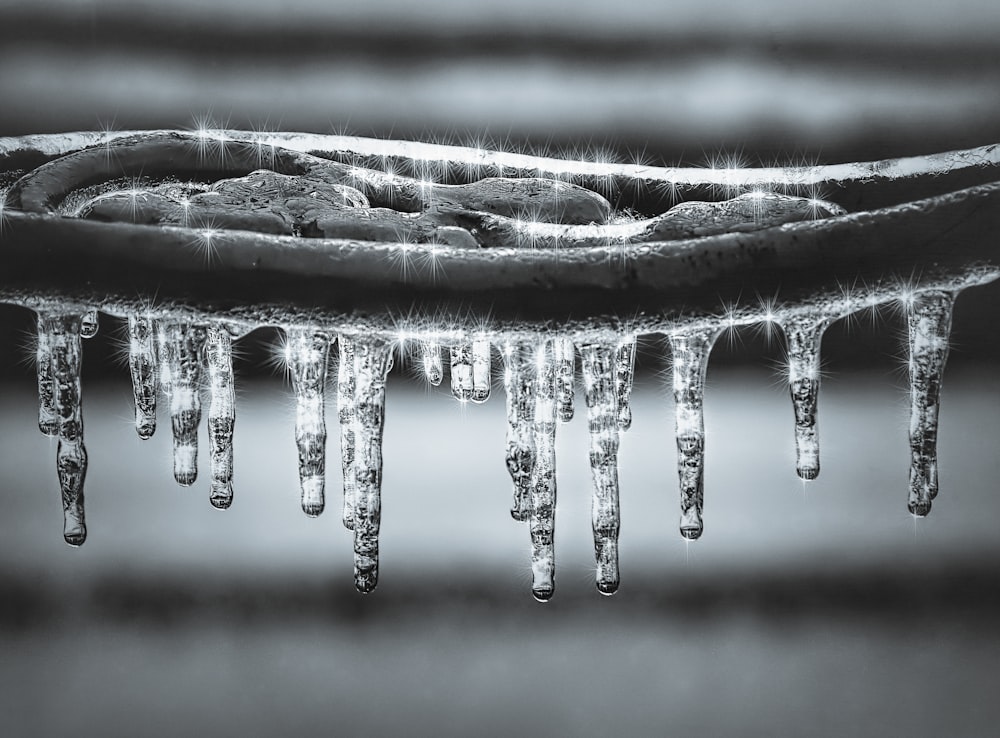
x=221, y=413
x=690, y=363
x=346, y=385
x=519, y=378
x=565, y=358
x=306, y=353
x=433, y=368
x=48, y=421
x=543, y=476
x=624, y=373
x=804, y=336
x=180, y=348
x=929, y=321
x=461, y=372
x=481, y=380
x=63, y=333
x=373, y=359
x=600, y=388
x=89, y=324
x=143, y=366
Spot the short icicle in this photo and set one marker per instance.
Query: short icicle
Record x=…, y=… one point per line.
x=461, y=372
x=929, y=319
x=221, y=413
x=600, y=390
x=306, y=353
x=180, y=351
x=624, y=376
x=543, y=476
x=144, y=367
x=565, y=357
x=346, y=385
x=481, y=370
x=431, y=360
x=373, y=360
x=804, y=337
x=71, y=455
x=691, y=350
x=89, y=324
x=519, y=387
x=48, y=420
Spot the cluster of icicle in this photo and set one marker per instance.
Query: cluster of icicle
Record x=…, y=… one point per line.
x=181, y=359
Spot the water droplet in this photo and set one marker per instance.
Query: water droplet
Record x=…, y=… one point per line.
x=461, y=372
x=804, y=336
x=180, y=348
x=624, y=374
x=221, y=414
x=306, y=353
x=691, y=350
x=48, y=421
x=519, y=378
x=543, y=476
x=89, y=324
x=481, y=381
x=600, y=391
x=431, y=359
x=929, y=322
x=565, y=358
x=346, y=385
x=143, y=366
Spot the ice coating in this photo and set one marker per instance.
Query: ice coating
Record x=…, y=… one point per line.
x=690, y=351
x=431, y=362
x=624, y=375
x=542, y=514
x=306, y=355
x=346, y=410
x=144, y=368
x=372, y=362
x=599, y=374
x=48, y=420
x=481, y=379
x=519, y=388
x=461, y=372
x=929, y=323
x=804, y=336
x=180, y=348
x=221, y=413
x=565, y=358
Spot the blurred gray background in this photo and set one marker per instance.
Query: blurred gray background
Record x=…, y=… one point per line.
x=819, y=609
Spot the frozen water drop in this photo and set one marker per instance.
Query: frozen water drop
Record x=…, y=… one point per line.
x=481, y=370
x=624, y=375
x=543, y=475
x=804, y=335
x=691, y=350
x=372, y=362
x=180, y=351
x=48, y=421
x=89, y=324
x=346, y=385
x=306, y=353
x=600, y=391
x=519, y=379
x=431, y=359
x=461, y=372
x=565, y=358
x=929, y=323
x=221, y=414
x=143, y=366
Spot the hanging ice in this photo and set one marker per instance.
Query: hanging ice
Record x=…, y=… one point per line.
x=565, y=358
x=600, y=391
x=221, y=413
x=624, y=373
x=180, y=352
x=519, y=379
x=804, y=336
x=346, y=385
x=431, y=360
x=542, y=516
x=306, y=355
x=143, y=366
x=48, y=421
x=691, y=350
x=929, y=319
x=89, y=324
x=461, y=372
x=481, y=379
x=373, y=359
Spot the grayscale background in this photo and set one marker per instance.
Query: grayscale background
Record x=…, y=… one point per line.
x=805, y=610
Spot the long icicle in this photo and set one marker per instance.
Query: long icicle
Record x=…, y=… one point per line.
x=461, y=372
x=691, y=350
x=180, y=351
x=599, y=374
x=624, y=377
x=519, y=387
x=48, y=420
x=306, y=353
x=221, y=413
x=565, y=358
x=804, y=337
x=346, y=392
x=373, y=360
x=929, y=319
x=71, y=455
x=144, y=368
x=543, y=476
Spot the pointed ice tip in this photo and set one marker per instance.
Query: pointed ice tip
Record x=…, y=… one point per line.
x=543, y=594
x=624, y=418
x=145, y=429
x=186, y=478
x=565, y=413
x=607, y=588
x=221, y=501
x=75, y=538
x=920, y=509
x=807, y=473
x=366, y=581
x=313, y=509
x=479, y=396
x=691, y=533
